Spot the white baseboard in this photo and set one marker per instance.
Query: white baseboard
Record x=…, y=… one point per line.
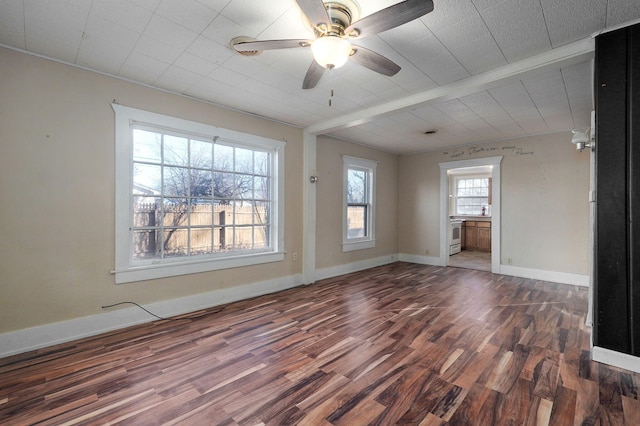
x=422, y=260
x=552, y=276
x=348, y=268
x=515, y=271
x=616, y=359
x=20, y=341
x=51, y=334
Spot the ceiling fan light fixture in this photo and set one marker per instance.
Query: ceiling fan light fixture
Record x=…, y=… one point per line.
x=331, y=51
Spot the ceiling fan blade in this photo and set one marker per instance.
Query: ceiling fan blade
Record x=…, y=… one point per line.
x=390, y=17
x=315, y=12
x=374, y=61
x=250, y=46
x=313, y=75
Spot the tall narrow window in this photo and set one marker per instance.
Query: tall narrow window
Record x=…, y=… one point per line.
x=358, y=213
x=196, y=197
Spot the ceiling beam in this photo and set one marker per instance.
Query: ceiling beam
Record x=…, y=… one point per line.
x=562, y=56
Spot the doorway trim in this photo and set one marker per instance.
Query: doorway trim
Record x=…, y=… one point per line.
x=495, y=207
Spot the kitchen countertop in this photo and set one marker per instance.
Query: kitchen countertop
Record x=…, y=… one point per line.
x=474, y=218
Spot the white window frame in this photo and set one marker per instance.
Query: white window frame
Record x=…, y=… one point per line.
x=369, y=166
x=128, y=270
x=456, y=197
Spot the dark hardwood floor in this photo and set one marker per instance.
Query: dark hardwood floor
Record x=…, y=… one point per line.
x=398, y=344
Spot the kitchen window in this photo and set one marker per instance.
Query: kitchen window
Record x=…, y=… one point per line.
x=472, y=196
x=192, y=197
x=358, y=212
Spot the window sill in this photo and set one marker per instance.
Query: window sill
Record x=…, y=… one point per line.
x=163, y=270
x=360, y=245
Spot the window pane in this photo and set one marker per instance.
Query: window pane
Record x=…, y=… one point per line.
x=261, y=188
x=220, y=239
x=261, y=163
x=223, y=158
x=223, y=185
x=356, y=221
x=222, y=214
x=471, y=205
x=260, y=237
x=146, y=179
x=244, y=186
x=176, y=181
x=356, y=186
x=244, y=160
x=243, y=237
x=145, y=212
x=201, y=154
x=176, y=242
x=145, y=245
x=261, y=213
x=242, y=214
x=175, y=212
x=176, y=150
x=227, y=234
x=146, y=146
x=200, y=184
x=200, y=215
x=201, y=241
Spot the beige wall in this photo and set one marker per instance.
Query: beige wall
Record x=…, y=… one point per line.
x=545, y=202
x=57, y=196
x=330, y=196
x=57, y=192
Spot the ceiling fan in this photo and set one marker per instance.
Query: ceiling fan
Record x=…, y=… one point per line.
x=335, y=23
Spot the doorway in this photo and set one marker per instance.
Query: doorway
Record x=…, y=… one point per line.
x=492, y=165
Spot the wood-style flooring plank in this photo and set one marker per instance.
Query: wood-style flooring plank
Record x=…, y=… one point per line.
x=398, y=344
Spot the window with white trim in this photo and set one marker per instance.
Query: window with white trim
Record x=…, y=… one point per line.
x=192, y=197
x=358, y=230
x=472, y=196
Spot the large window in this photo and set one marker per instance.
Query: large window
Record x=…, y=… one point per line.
x=196, y=197
x=358, y=213
x=472, y=196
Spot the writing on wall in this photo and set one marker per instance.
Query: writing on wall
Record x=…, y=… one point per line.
x=473, y=150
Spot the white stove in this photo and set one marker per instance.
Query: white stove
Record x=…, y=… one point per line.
x=456, y=236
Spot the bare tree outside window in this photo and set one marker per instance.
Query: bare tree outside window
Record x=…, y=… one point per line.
x=357, y=203
x=194, y=196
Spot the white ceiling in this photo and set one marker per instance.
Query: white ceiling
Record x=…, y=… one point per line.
x=475, y=70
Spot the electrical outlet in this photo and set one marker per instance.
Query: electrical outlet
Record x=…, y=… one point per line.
x=510, y=261
x=295, y=256
x=426, y=251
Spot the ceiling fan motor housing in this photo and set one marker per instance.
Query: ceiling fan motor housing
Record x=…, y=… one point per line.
x=341, y=14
